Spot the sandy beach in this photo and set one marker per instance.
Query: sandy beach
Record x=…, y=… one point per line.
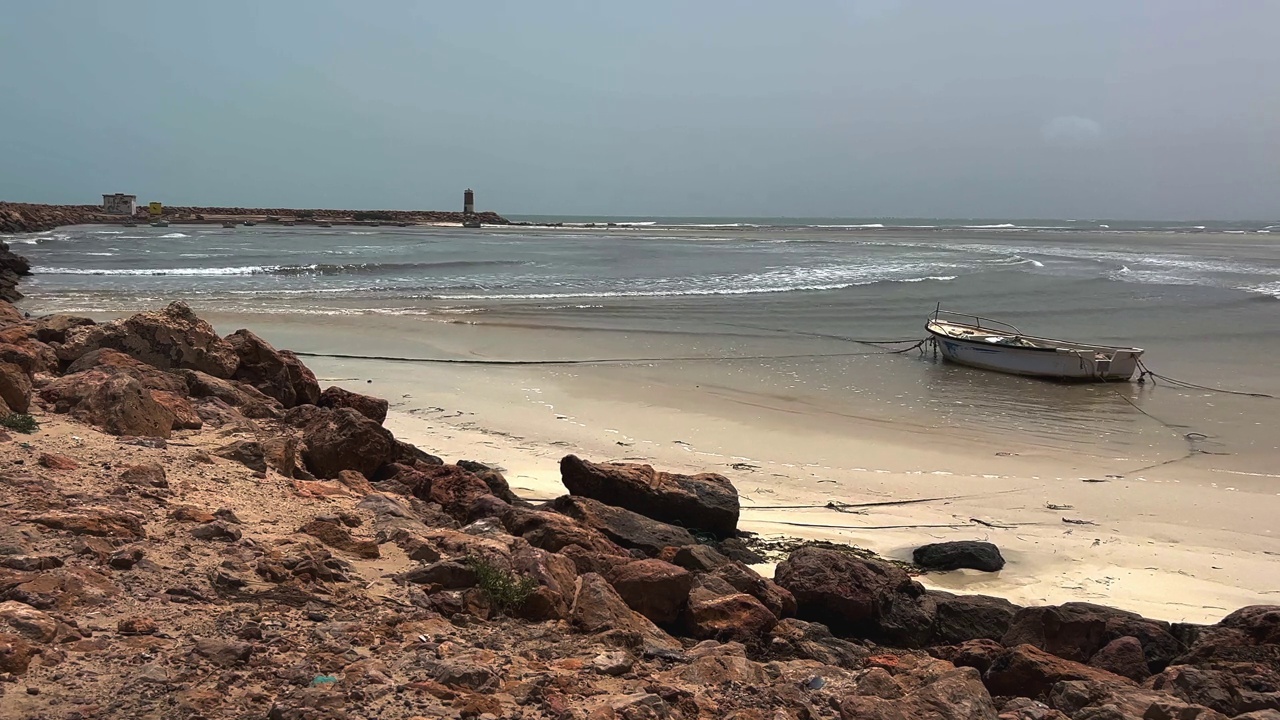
x=1183, y=541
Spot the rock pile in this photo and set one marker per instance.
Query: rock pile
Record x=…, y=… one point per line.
x=200, y=531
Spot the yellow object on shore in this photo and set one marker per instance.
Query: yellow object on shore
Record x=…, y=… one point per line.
x=155, y=208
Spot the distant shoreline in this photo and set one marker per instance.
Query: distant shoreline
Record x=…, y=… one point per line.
x=36, y=217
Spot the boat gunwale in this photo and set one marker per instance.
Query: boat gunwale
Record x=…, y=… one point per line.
x=1058, y=345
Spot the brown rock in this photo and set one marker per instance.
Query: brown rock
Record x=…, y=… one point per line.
x=15, y=654
x=1076, y=631
x=186, y=513
x=65, y=588
x=979, y=654
x=453, y=488
x=971, y=617
x=556, y=576
x=247, y=399
x=598, y=608
x=246, y=452
x=743, y=579
x=283, y=453
x=263, y=367
x=116, y=362
x=1102, y=700
x=15, y=387
x=103, y=522
x=1229, y=688
x=57, y=462
x=53, y=328
x=137, y=625
x=626, y=528
x=147, y=474
x=855, y=595
x=957, y=695
x=185, y=416
x=168, y=339
x=1261, y=623
x=708, y=501
x=729, y=617
x=1123, y=656
x=305, y=388
x=356, y=482
x=698, y=558
x=656, y=589
x=30, y=623
x=115, y=403
x=371, y=407
x=1028, y=671
x=227, y=653
x=555, y=532
x=341, y=439
x=216, y=531
x=337, y=537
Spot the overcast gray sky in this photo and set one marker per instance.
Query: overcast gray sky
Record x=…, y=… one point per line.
x=981, y=108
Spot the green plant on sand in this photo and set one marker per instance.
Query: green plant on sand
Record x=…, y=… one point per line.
x=20, y=422
x=504, y=589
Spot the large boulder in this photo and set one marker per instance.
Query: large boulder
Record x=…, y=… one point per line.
x=732, y=617
x=452, y=487
x=115, y=361
x=15, y=387
x=1248, y=635
x=1123, y=656
x=250, y=401
x=113, y=402
x=306, y=389
x=555, y=532
x=743, y=579
x=957, y=695
x=168, y=339
x=656, y=589
x=1076, y=631
x=857, y=596
x=556, y=577
x=959, y=554
x=971, y=617
x=597, y=608
x=626, y=528
x=53, y=328
x=706, y=502
x=371, y=407
x=1093, y=699
x=263, y=367
x=1229, y=688
x=341, y=439
x=1028, y=671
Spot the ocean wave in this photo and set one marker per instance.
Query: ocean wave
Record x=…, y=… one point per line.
x=866, y=226
x=108, y=232
x=989, y=227
x=190, y=272
x=683, y=292
x=1271, y=289
x=175, y=235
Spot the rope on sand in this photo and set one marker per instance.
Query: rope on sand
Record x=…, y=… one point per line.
x=602, y=361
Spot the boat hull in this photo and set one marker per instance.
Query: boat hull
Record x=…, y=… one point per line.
x=1053, y=364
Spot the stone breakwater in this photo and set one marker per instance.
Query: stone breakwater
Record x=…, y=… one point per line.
x=199, y=529
x=12, y=269
x=30, y=217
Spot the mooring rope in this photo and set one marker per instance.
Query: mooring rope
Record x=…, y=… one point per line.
x=1148, y=373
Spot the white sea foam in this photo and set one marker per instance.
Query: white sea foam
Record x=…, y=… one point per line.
x=870, y=226
x=191, y=272
x=175, y=235
x=108, y=232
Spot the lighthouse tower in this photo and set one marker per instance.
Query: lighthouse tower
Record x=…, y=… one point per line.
x=468, y=202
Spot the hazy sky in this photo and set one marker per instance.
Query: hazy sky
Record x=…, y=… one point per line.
x=1017, y=108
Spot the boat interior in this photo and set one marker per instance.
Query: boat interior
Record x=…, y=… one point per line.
x=974, y=328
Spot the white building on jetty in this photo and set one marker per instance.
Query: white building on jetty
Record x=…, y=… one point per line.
x=119, y=204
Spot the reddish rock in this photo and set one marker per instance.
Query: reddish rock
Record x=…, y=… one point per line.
x=371, y=407
x=184, y=413
x=306, y=389
x=956, y=695
x=65, y=588
x=250, y=401
x=656, y=589
x=186, y=513
x=453, y=488
x=1123, y=656
x=114, y=361
x=970, y=617
x=698, y=558
x=147, y=474
x=855, y=595
x=597, y=608
x=263, y=367
x=555, y=532
x=1229, y=688
x=246, y=452
x=103, y=522
x=1028, y=671
x=978, y=654
x=15, y=654
x=557, y=578
x=137, y=625
x=729, y=617
x=113, y=402
x=57, y=462
x=341, y=439
x=1261, y=623
x=30, y=623
x=15, y=387
x=498, y=485
x=1077, y=631
x=339, y=538
x=283, y=453
x=707, y=501
x=778, y=599
x=167, y=339
x=355, y=482
x=626, y=528
x=53, y=328
x=1103, y=700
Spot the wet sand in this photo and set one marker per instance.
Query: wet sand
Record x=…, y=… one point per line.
x=1164, y=527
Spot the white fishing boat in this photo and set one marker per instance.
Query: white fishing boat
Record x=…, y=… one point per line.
x=993, y=345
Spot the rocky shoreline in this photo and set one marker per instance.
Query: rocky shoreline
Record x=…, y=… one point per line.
x=31, y=217
x=197, y=529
